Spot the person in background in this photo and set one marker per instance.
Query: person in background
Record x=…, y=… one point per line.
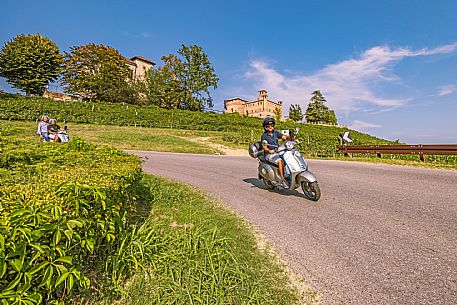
x=42, y=129
x=53, y=129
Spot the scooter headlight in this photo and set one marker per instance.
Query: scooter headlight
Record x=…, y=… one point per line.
x=289, y=145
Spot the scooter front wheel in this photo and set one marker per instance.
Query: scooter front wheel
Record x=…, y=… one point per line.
x=311, y=190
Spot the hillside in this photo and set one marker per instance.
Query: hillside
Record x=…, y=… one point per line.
x=316, y=140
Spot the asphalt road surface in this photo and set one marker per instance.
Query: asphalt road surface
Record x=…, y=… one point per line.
x=379, y=234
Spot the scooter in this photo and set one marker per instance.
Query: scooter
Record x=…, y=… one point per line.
x=61, y=134
x=296, y=170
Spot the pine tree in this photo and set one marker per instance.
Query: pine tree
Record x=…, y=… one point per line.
x=295, y=113
x=318, y=112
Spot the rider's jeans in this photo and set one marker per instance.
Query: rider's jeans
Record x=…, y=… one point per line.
x=45, y=136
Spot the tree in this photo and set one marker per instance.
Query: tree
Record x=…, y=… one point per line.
x=163, y=88
x=295, y=113
x=318, y=112
x=98, y=72
x=30, y=62
x=196, y=77
x=183, y=81
x=330, y=117
x=278, y=113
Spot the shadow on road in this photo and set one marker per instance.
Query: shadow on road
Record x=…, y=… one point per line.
x=259, y=184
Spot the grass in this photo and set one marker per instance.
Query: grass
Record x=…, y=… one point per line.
x=129, y=138
x=176, y=140
x=201, y=253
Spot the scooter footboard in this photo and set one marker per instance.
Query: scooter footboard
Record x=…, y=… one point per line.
x=306, y=176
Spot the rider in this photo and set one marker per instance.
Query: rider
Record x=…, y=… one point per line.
x=53, y=129
x=270, y=141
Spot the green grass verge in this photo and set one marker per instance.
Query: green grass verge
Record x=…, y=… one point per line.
x=127, y=138
x=175, y=140
x=195, y=251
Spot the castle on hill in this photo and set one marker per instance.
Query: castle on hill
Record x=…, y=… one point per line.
x=260, y=108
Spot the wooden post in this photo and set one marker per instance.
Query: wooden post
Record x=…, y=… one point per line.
x=421, y=156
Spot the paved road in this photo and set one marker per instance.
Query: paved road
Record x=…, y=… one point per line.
x=379, y=235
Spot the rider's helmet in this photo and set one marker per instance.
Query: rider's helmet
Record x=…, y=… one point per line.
x=52, y=121
x=267, y=121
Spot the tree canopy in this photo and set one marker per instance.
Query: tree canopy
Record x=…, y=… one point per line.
x=184, y=81
x=98, y=72
x=318, y=112
x=30, y=62
x=163, y=88
x=278, y=113
x=295, y=113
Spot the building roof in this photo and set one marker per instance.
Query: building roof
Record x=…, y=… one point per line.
x=143, y=59
x=248, y=102
x=236, y=98
x=129, y=61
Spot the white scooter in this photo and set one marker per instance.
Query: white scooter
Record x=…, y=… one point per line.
x=295, y=170
x=61, y=134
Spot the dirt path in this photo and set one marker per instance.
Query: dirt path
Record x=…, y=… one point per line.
x=219, y=147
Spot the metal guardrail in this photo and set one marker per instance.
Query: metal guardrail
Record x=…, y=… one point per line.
x=420, y=150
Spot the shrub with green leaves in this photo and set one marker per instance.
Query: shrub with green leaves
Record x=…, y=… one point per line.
x=62, y=208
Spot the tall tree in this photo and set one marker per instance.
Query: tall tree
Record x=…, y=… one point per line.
x=30, y=62
x=278, y=113
x=295, y=113
x=184, y=81
x=98, y=72
x=318, y=112
x=196, y=77
x=163, y=88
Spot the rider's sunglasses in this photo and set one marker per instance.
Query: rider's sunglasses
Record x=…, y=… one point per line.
x=270, y=125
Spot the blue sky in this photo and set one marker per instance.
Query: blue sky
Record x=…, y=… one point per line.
x=388, y=68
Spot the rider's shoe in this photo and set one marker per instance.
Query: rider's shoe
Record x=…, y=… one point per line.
x=282, y=185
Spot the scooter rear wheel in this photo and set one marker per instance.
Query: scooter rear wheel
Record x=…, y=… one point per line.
x=311, y=190
x=268, y=184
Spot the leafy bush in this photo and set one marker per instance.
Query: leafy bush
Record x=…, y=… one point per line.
x=62, y=208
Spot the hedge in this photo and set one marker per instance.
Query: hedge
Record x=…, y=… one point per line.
x=62, y=207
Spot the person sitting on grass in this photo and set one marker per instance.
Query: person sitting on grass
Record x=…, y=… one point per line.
x=53, y=129
x=42, y=129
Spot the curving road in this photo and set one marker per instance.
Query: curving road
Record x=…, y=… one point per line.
x=379, y=235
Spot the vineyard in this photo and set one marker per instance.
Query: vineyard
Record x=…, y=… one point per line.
x=316, y=140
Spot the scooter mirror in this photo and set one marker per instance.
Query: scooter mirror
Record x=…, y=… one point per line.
x=291, y=134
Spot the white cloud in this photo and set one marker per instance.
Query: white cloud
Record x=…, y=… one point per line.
x=361, y=125
x=447, y=89
x=347, y=85
x=136, y=35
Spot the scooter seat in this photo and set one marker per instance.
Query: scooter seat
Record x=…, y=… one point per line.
x=261, y=157
x=268, y=162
